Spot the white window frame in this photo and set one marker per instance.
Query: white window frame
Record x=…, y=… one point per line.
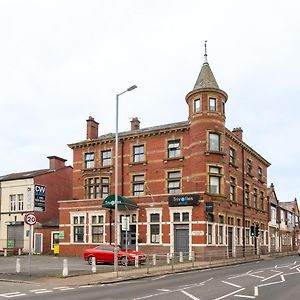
x=107, y=160
x=150, y=211
x=177, y=209
x=76, y=214
x=138, y=156
x=91, y=214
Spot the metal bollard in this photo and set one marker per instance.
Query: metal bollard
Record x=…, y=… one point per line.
x=5, y=252
x=154, y=259
x=136, y=261
x=181, y=256
x=19, y=251
x=94, y=265
x=65, y=271
x=168, y=258
x=18, y=266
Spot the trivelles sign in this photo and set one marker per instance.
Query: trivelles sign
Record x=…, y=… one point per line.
x=39, y=197
x=184, y=200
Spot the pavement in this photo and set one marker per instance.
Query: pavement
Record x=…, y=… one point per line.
x=80, y=273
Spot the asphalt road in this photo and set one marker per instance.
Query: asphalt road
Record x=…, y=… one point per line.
x=276, y=279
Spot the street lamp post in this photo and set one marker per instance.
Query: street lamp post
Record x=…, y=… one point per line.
x=116, y=179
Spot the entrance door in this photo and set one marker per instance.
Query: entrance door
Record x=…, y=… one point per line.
x=15, y=236
x=230, y=240
x=38, y=243
x=181, y=239
x=131, y=238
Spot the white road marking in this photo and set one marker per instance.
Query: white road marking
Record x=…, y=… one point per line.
x=256, y=276
x=272, y=276
x=227, y=295
x=43, y=292
x=190, y=296
x=87, y=286
x=163, y=290
x=256, y=291
x=12, y=295
x=245, y=296
x=203, y=282
x=64, y=288
x=195, y=284
x=274, y=282
x=295, y=267
x=232, y=284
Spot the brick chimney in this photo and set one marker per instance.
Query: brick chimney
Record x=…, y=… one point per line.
x=56, y=162
x=135, y=123
x=238, y=132
x=91, y=128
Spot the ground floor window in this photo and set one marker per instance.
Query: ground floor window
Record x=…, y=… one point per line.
x=97, y=228
x=209, y=233
x=78, y=229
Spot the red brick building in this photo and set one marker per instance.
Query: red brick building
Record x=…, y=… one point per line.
x=37, y=192
x=197, y=185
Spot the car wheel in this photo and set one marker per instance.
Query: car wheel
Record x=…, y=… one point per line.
x=124, y=261
x=90, y=260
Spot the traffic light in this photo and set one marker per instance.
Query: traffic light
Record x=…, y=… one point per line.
x=252, y=230
x=256, y=230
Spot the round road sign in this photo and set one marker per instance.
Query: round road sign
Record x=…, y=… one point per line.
x=30, y=219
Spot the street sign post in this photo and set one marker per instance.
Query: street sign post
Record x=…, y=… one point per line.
x=30, y=219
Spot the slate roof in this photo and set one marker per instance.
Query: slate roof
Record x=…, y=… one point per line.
x=138, y=131
x=206, y=78
x=24, y=175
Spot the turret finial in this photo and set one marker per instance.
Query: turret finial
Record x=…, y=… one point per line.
x=205, y=53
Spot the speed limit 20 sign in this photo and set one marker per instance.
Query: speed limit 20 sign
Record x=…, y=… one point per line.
x=30, y=219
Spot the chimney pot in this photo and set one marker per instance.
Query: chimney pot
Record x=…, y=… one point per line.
x=92, y=128
x=238, y=132
x=135, y=123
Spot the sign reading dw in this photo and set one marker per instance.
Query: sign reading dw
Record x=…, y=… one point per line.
x=39, y=197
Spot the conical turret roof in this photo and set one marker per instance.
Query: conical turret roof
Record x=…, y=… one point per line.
x=206, y=78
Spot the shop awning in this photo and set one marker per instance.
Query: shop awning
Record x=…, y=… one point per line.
x=123, y=203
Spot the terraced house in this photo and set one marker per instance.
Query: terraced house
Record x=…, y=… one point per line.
x=192, y=185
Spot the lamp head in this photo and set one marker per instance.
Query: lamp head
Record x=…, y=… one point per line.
x=132, y=88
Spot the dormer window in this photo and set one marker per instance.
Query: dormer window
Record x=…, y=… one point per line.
x=212, y=104
x=197, y=105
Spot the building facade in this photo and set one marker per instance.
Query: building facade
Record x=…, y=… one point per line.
x=196, y=185
x=35, y=192
x=283, y=224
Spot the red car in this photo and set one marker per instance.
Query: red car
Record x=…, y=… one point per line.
x=105, y=254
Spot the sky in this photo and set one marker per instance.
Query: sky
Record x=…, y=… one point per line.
x=63, y=61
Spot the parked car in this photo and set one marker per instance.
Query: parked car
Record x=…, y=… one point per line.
x=105, y=254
